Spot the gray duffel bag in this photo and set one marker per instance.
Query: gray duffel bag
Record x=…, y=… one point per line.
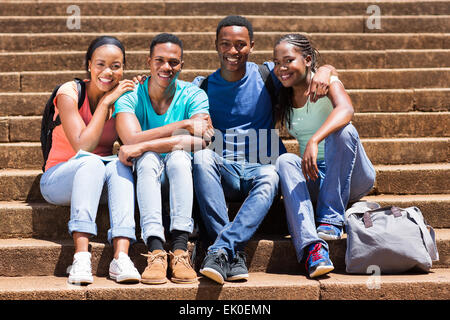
x=393, y=239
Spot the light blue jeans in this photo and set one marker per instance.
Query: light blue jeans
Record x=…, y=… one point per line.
x=161, y=177
x=217, y=181
x=80, y=184
x=346, y=175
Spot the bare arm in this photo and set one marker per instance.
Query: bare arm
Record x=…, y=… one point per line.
x=341, y=115
x=320, y=82
x=130, y=131
x=163, y=145
x=80, y=135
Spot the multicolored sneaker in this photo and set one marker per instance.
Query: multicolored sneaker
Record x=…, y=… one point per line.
x=318, y=261
x=329, y=232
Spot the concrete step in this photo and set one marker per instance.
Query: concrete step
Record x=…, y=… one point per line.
x=201, y=23
x=137, y=41
x=143, y=8
x=414, y=78
x=260, y=286
x=270, y=254
x=340, y=59
x=28, y=155
x=364, y=100
x=42, y=220
x=369, y=125
x=391, y=179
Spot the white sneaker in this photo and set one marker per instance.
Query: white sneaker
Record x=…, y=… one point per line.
x=80, y=270
x=123, y=270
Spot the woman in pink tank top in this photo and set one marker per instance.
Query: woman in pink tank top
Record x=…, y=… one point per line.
x=81, y=182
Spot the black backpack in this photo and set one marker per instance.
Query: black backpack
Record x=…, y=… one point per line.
x=47, y=124
x=265, y=75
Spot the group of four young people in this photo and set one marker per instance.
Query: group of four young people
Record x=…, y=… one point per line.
x=184, y=143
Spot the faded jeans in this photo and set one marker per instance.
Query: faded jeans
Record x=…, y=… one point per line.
x=346, y=175
x=80, y=184
x=216, y=181
x=160, y=177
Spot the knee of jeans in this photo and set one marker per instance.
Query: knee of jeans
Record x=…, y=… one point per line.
x=94, y=165
x=179, y=159
x=268, y=174
x=117, y=168
x=149, y=161
x=286, y=161
x=344, y=135
x=204, y=157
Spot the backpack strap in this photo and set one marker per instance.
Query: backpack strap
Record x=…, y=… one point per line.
x=203, y=84
x=81, y=89
x=268, y=83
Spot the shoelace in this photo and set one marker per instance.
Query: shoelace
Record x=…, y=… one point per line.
x=183, y=258
x=152, y=257
x=221, y=261
x=242, y=255
x=314, y=254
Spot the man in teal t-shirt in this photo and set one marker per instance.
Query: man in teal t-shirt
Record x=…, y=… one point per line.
x=187, y=101
x=159, y=122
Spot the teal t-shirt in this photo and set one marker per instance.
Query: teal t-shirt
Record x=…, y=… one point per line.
x=305, y=121
x=187, y=101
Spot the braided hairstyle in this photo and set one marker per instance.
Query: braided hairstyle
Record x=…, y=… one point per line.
x=284, y=105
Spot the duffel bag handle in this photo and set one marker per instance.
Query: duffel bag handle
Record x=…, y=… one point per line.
x=396, y=212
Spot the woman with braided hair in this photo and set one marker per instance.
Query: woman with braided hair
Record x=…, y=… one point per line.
x=333, y=168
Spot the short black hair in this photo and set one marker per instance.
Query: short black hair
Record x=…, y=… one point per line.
x=166, y=38
x=235, y=21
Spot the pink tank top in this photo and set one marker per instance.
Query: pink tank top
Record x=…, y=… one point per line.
x=62, y=150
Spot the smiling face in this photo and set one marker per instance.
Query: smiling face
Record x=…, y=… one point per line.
x=291, y=67
x=233, y=45
x=106, y=67
x=165, y=63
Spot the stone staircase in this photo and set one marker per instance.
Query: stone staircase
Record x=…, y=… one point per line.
x=397, y=77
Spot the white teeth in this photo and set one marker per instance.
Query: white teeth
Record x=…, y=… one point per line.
x=164, y=76
x=105, y=80
x=232, y=59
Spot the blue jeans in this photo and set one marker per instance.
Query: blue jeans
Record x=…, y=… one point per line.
x=161, y=177
x=216, y=181
x=80, y=183
x=346, y=175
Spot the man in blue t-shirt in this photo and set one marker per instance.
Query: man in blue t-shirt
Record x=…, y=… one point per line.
x=241, y=166
x=160, y=122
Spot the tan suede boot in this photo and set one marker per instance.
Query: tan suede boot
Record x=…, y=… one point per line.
x=156, y=270
x=180, y=264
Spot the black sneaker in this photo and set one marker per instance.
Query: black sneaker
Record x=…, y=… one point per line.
x=238, y=268
x=215, y=266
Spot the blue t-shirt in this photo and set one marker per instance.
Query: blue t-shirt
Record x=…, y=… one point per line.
x=242, y=112
x=187, y=101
